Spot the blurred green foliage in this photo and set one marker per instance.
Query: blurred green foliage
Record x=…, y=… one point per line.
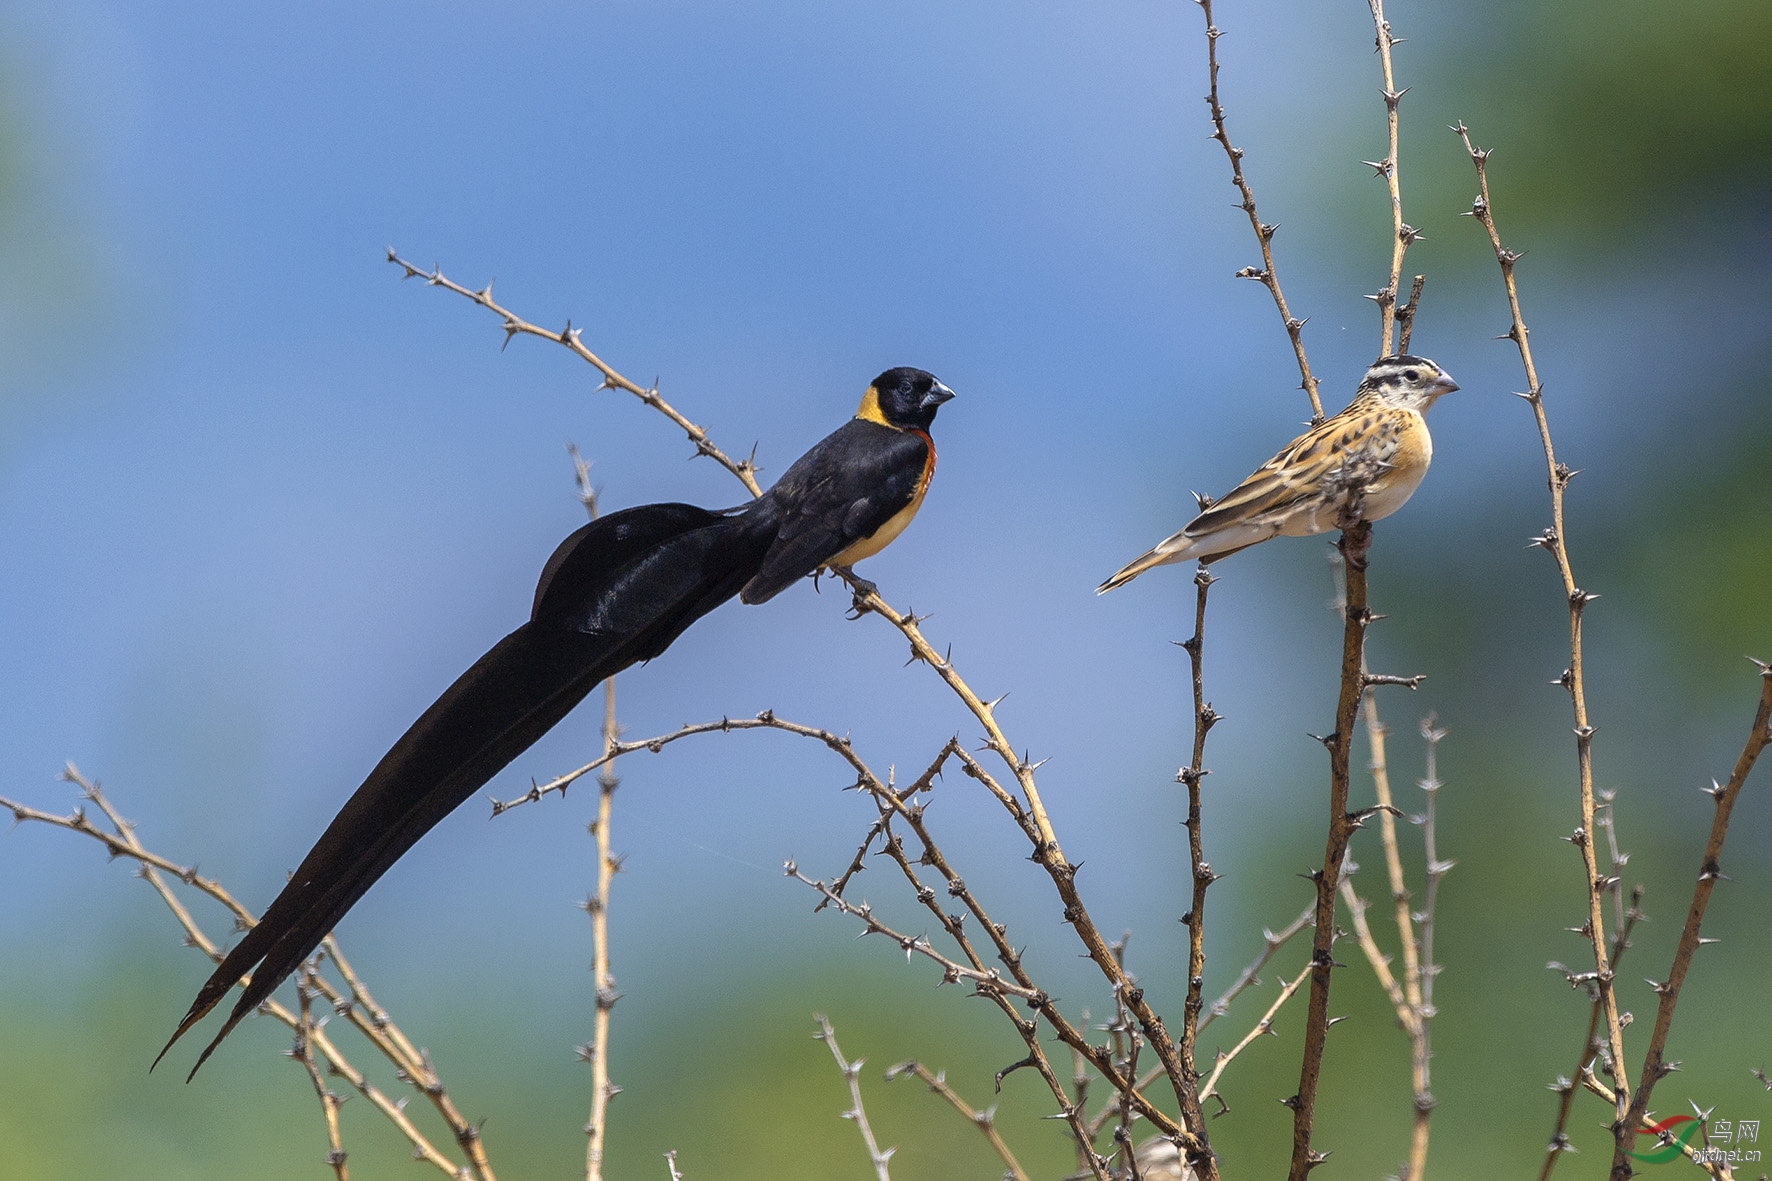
x=1628, y=115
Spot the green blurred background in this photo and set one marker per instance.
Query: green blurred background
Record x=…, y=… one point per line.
x=259, y=502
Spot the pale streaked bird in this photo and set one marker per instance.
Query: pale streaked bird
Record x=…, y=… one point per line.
x=1377, y=449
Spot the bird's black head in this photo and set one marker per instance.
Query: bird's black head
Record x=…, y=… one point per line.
x=904, y=399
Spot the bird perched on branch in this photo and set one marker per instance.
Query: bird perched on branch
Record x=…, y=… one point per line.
x=616, y=592
x=1376, y=451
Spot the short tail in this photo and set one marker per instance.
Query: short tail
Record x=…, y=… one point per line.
x=618, y=591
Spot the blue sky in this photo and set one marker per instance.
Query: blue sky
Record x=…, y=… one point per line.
x=265, y=499
x=260, y=500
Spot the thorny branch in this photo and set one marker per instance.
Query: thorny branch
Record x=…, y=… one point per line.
x=902, y=804
x=411, y=1063
x=988, y=982
x=1402, y=234
x=603, y=980
x=858, y=1113
x=597, y=906
x=1200, y=871
x=1406, y=313
x=1719, y=1170
x=1261, y=1027
x=1029, y=811
x=1272, y=941
x=985, y=1121
x=303, y=1051
x=1555, y=542
x=1655, y=1067
x=1125, y=1043
x=355, y=1005
x=1408, y=996
x=1128, y=1091
x=1356, y=539
x=1430, y=784
x=1591, y=1044
x=952, y=971
x=1264, y=232
x=1624, y=921
x=569, y=338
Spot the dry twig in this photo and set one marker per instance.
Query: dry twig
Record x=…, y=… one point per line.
x=1402, y=234
x=602, y=1089
x=1271, y=941
x=1554, y=541
x=858, y=1113
x=1624, y=922
x=1408, y=995
x=1200, y=871
x=1719, y=1170
x=303, y=1051
x=597, y=906
x=1264, y=1026
x=355, y=1005
x=1356, y=539
x=985, y=1121
x=569, y=338
x=1264, y=232
x=902, y=805
x=1655, y=1067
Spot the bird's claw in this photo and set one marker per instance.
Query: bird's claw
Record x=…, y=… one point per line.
x=864, y=590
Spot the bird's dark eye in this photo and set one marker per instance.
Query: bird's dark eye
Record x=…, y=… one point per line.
x=1412, y=374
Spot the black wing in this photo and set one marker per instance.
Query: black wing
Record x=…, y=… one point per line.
x=855, y=480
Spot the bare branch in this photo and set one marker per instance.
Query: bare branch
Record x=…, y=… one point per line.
x=568, y=337
x=1406, y=999
x=1263, y=1026
x=1555, y=541
x=382, y=1033
x=1272, y=941
x=1717, y=1169
x=1655, y=1067
x=1356, y=539
x=985, y=1121
x=952, y=971
x=602, y=1090
x=303, y=1051
x=1200, y=871
x=1402, y=234
x=898, y=805
x=858, y=1113
x=1264, y=233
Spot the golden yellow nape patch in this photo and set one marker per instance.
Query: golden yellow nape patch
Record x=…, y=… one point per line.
x=869, y=410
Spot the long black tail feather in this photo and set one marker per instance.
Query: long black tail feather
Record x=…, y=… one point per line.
x=618, y=591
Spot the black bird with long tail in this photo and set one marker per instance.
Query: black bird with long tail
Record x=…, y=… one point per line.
x=617, y=592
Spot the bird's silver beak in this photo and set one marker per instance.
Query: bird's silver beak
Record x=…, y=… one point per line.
x=1442, y=384
x=937, y=394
